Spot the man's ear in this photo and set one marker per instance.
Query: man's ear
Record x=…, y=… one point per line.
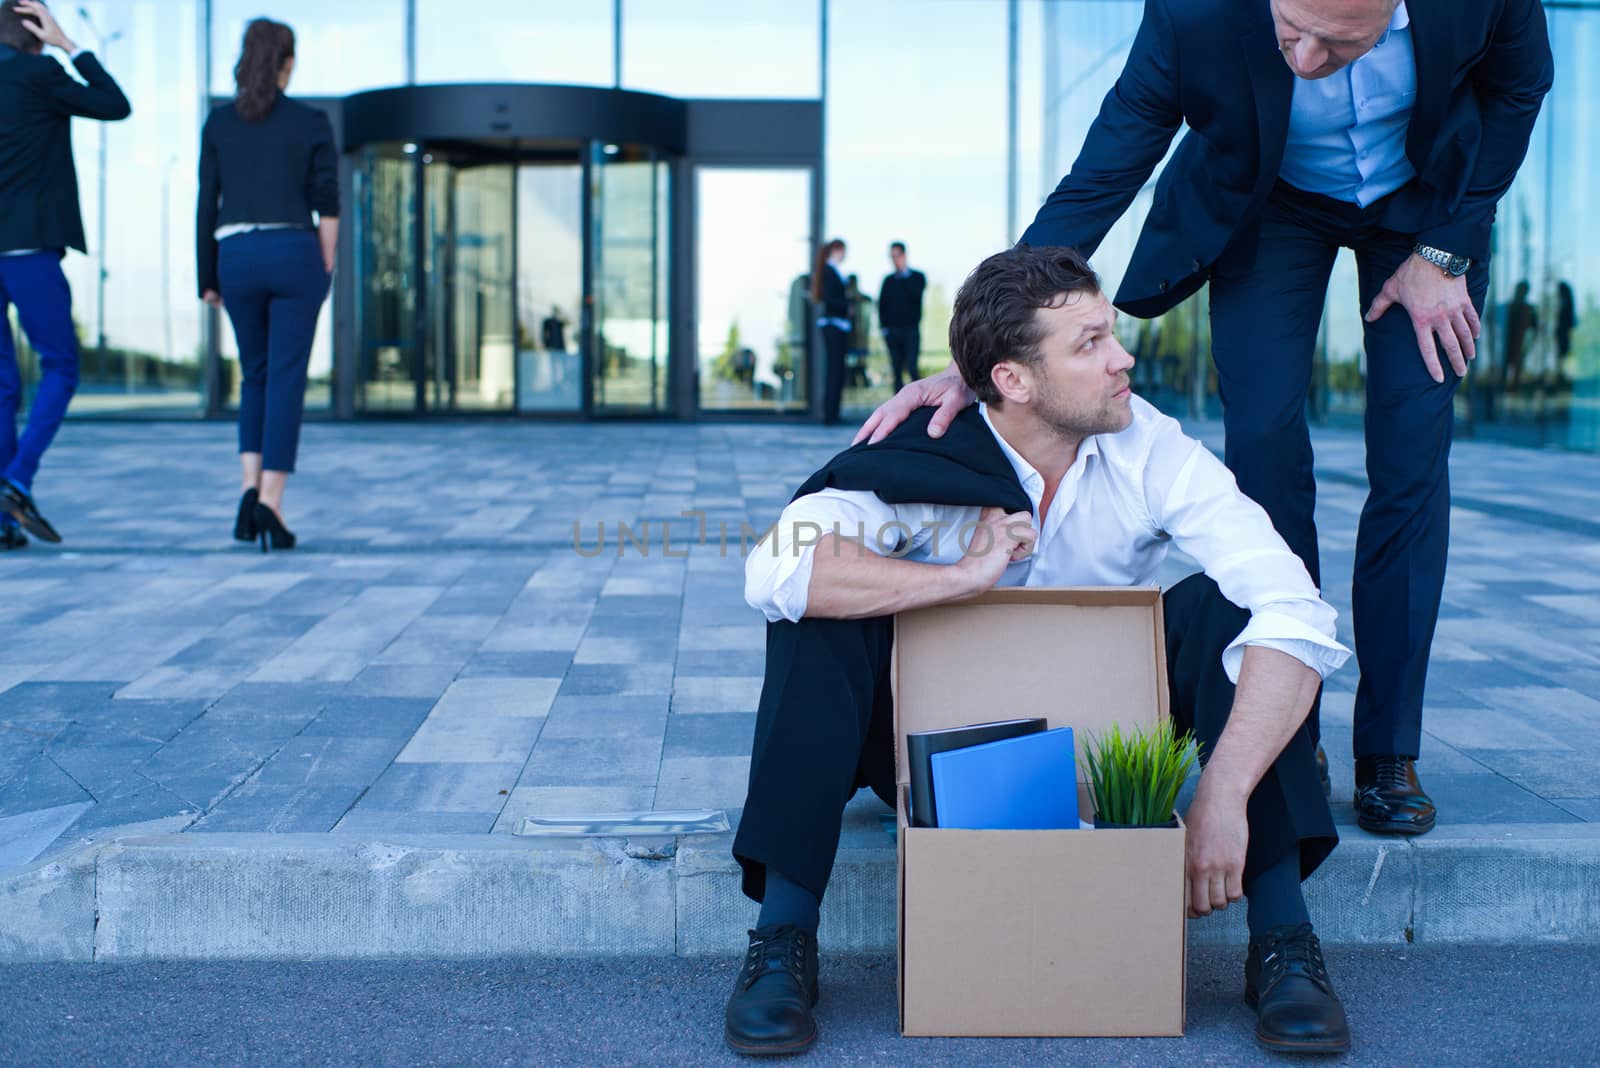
x=1011, y=381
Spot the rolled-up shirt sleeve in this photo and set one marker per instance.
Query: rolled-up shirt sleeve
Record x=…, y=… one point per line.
x=777, y=573
x=1194, y=500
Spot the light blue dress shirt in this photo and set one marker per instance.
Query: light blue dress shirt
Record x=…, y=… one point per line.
x=1347, y=132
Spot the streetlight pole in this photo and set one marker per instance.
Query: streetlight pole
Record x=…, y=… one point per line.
x=103, y=45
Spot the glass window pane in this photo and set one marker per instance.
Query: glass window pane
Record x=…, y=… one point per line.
x=765, y=49
x=138, y=212
x=549, y=287
x=916, y=152
x=628, y=363
x=339, y=48
x=754, y=313
x=385, y=270
x=532, y=41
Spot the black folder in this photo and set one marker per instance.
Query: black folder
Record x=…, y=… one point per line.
x=921, y=745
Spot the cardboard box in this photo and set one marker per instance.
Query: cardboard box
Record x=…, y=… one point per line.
x=1037, y=933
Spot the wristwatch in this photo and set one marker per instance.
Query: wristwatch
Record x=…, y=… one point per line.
x=1448, y=262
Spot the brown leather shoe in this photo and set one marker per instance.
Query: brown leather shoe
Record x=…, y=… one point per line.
x=1389, y=798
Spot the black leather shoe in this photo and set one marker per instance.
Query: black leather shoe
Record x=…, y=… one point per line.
x=1389, y=799
x=244, y=526
x=770, y=1010
x=1322, y=773
x=12, y=538
x=19, y=506
x=1286, y=982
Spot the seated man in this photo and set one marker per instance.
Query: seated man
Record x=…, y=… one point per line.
x=1079, y=484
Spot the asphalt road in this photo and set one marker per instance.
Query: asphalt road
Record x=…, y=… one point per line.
x=1411, y=1006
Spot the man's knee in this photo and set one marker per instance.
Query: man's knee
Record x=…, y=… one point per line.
x=61, y=364
x=1195, y=608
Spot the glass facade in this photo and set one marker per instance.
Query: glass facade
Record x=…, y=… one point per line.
x=544, y=280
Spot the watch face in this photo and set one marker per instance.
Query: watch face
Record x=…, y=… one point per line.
x=1458, y=265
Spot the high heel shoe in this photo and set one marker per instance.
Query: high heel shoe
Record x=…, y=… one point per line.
x=244, y=527
x=272, y=530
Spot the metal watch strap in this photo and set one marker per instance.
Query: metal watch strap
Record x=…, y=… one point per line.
x=1440, y=258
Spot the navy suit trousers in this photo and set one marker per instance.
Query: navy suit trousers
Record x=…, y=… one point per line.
x=36, y=285
x=273, y=284
x=1267, y=297
x=825, y=729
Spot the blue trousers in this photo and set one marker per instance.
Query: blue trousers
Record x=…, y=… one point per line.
x=36, y=285
x=273, y=284
x=1267, y=296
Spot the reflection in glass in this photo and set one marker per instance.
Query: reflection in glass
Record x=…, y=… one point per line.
x=754, y=311
x=917, y=152
x=469, y=360
x=757, y=49
x=339, y=48
x=629, y=357
x=386, y=273
x=545, y=41
x=549, y=287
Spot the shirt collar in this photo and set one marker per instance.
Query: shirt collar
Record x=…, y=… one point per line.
x=1032, y=481
x=1400, y=21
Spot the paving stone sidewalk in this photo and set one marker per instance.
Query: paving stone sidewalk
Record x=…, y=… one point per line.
x=451, y=650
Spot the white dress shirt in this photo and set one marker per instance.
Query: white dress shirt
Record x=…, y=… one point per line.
x=1124, y=500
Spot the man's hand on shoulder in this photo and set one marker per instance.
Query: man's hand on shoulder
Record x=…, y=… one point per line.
x=945, y=390
x=1438, y=304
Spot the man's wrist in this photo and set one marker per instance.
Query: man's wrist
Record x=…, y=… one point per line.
x=1451, y=264
x=1219, y=785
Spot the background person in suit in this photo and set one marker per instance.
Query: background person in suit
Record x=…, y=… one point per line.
x=831, y=302
x=267, y=163
x=900, y=315
x=39, y=221
x=1391, y=127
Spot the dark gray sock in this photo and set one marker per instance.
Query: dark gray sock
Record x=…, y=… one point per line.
x=789, y=903
x=1274, y=896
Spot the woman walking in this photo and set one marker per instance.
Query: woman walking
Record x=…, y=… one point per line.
x=832, y=303
x=267, y=163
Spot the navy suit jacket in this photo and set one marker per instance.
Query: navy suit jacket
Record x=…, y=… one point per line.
x=1483, y=67
x=38, y=184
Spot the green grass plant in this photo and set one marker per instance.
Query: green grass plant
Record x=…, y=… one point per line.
x=1134, y=777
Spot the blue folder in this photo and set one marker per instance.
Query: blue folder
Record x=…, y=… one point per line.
x=1028, y=783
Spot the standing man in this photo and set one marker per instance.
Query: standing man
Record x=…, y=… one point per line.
x=39, y=221
x=1390, y=127
x=900, y=315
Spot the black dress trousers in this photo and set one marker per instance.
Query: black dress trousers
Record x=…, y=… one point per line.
x=825, y=728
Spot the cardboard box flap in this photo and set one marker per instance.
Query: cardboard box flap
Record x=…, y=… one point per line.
x=1083, y=658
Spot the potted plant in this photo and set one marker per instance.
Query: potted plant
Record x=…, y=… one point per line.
x=1134, y=778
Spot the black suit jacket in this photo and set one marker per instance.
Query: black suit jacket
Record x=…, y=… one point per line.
x=835, y=303
x=1483, y=67
x=38, y=183
x=278, y=169
x=965, y=467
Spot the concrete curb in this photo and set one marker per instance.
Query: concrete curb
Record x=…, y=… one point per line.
x=328, y=896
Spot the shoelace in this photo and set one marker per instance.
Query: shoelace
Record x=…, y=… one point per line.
x=1295, y=946
x=1391, y=775
x=785, y=951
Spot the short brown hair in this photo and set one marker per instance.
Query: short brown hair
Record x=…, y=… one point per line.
x=993, y=319
x=14, y=33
